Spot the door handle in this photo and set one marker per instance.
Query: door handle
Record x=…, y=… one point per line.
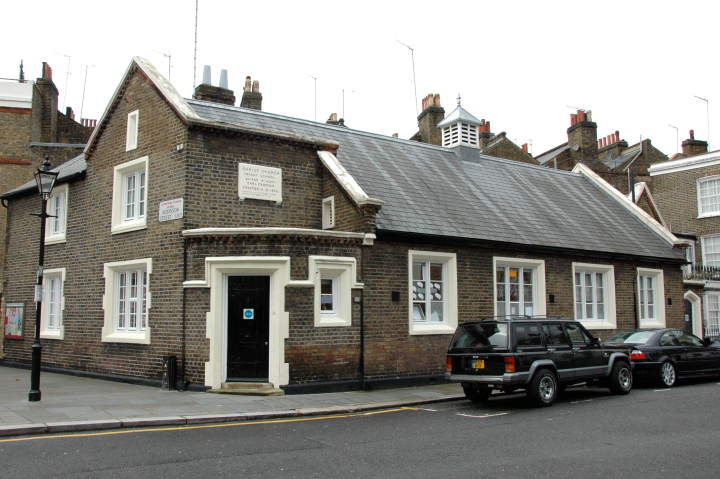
x=266, y=343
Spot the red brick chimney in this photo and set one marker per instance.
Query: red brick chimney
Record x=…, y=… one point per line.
x=582, y=136
x=432, y=113
x=693, y=147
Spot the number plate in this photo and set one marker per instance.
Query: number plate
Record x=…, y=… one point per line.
x=478, y=364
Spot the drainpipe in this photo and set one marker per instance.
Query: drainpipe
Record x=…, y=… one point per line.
x=184, y=293
x=361, y=359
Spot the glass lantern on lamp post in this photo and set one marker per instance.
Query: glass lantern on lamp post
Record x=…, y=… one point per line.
x=45, y=179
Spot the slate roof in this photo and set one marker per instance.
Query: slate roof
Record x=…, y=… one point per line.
x=625, y=155
x=462, y=193
x=71, y=169
x=550, y=154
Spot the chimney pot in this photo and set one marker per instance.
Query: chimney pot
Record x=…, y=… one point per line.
x=207, y=75
x=256, y=86
x=436, y=99
x=46, y=71
x=248, y=84
x=525, y=147
x=223, y=79
x=573, y=119
x=395, y=135
x=692, y=134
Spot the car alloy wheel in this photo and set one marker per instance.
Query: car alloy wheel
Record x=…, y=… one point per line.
x=546, y=388
x=667, y=374
x=543, y=388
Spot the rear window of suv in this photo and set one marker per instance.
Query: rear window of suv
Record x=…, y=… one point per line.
x=480, y=336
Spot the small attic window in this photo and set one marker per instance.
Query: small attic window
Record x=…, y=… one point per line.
x=328, y=213
x=132, y=131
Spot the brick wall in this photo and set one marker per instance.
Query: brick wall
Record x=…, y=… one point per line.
x=392, y=351
x=510, y=151
x=90, y=244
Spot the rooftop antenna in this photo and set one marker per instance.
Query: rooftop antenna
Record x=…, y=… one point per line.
x=82, y=103
x=412, y=59
x=22, y=73
x=315, y=80
x=707, y=114
x=677, y=137
x=67, y=78
x=195, y=52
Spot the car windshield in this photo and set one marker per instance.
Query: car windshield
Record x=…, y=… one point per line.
x=636, y=337
x=477, y=336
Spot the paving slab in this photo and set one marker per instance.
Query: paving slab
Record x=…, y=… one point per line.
x=71, y=403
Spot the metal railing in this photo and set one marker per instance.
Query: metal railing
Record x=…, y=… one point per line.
x=701, y=272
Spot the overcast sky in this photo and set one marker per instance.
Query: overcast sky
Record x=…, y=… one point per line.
x=522, y=65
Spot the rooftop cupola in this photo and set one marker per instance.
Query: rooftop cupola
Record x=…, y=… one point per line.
x=460, y=128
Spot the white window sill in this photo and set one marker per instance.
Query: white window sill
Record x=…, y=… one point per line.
x=331, y=321
x=430, y=328
x=129, y=226
x=708, y=215
x=589, y=324
x=52, y=334
x=57, y=239
x=651, y=324
x=130, y=338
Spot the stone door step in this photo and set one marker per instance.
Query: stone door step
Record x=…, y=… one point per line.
x=250, y=389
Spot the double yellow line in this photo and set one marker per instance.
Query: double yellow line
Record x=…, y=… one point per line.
x=209, y=426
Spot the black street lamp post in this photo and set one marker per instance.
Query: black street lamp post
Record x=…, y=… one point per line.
x=45, y=181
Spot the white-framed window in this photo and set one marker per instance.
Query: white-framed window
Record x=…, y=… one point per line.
x=432, y=292
x=131, y=137
x=651, y=298
x=712, y=314
x=127, y=301
x=328, y=213
x=129, y=208
x=53, y=304
x=333, y=278
x=711, y=250
x=519, y=286
x=57, y=207
x=594, y=295
x=708, y=194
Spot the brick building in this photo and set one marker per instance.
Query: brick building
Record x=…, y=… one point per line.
x=686, y=191
x=609, y=156
x=258, y=247
x=461, y=127
x=31, y=127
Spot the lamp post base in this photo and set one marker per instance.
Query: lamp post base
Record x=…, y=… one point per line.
x=34, y=396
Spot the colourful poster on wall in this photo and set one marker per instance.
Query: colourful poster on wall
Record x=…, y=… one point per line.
x=14, y=320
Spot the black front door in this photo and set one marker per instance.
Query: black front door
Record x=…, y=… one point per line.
x=689, y=320
x=248, y=328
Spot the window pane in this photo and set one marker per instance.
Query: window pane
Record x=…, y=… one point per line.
x=500, y=275
x=418, y=271
x=436, y=310
x=419, y=312
x=418, y=290
x=514, y=292
x=436, y=291
x=514, y=275
x=501, y=292
x=436, y=272
x=326, y=286
x=326, y=302
x=501, y=308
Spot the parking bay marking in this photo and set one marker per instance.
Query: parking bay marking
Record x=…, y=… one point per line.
x=581, y=401
x=484, y=415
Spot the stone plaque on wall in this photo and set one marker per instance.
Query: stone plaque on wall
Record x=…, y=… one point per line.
x=259, y=182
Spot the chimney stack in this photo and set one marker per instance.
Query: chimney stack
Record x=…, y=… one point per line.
x=525, y=147
x=218, y=94
x=432, y=113
x=334, y=120
x=251, y=97
x=69, y=113
x=582, y=136
x=693, y=147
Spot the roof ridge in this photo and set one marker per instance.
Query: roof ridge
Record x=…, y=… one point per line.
x=524, y=165
x=317, y=123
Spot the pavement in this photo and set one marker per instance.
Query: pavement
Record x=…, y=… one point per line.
x=71, y=403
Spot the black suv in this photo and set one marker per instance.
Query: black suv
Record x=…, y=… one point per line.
x=540, y=355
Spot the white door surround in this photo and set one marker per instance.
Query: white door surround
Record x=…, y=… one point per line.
x=217, y=270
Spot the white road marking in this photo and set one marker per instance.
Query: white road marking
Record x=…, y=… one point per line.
x=427, y=409
x=662, y=390
x=578, y=402
x=484, y=415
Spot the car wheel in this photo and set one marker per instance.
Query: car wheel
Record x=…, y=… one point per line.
x=476, y=393
x=621, y=378
x=543, y=388
x=668, y=376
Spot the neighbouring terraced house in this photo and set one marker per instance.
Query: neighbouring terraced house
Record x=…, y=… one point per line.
x=256, y=247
